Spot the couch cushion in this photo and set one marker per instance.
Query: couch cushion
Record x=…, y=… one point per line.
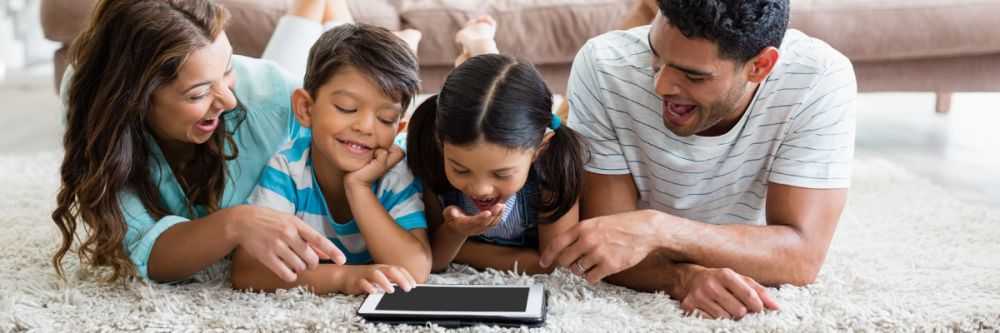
x=542, y=31
x=249, y=30
x=865, y=30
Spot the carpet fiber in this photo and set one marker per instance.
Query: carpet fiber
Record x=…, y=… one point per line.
x=906, y=257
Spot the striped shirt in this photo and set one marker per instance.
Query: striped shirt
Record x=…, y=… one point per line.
x=797, y=131
x=288, y=185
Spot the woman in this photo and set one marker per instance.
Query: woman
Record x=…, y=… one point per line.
x=164, y=144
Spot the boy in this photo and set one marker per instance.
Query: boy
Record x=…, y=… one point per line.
x=345, y=180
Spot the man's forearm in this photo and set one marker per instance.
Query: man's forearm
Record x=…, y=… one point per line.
x=656, y=273
x=770, y=254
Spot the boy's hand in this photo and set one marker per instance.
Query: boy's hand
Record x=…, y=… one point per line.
x=364, y=278
x=459, y=220
x=368, y=174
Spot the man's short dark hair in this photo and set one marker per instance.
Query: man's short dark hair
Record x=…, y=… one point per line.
x=375, y=51
x=741, y=28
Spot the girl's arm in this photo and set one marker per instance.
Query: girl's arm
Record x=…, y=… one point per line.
x=248, y=273
x=503, y=258
x=445, y=241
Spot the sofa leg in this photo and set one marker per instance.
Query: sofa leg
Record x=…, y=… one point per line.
x=943, y=102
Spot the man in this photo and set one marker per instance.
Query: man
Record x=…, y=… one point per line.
x=722, y=155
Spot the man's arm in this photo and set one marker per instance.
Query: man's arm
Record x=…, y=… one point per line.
x=790, y=249
x=706, y=292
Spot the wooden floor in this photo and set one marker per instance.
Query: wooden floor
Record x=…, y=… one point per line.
x=959, y=151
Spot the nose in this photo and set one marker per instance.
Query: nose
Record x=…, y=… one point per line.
x=363, y=123
x=665, y=84
x=479, y=189
x=225, y=98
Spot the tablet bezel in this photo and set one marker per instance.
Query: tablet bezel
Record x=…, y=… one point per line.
x=536, y=299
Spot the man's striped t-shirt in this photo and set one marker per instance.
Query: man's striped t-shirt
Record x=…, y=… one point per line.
x=797, y=131
x=288, y=185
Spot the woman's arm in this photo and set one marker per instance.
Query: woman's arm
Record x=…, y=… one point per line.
x=481, y=256
x=248, y=273
x=281, y=240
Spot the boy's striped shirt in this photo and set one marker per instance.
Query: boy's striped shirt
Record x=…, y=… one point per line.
x=288, y=185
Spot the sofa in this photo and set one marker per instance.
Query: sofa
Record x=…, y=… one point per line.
x=895, y=45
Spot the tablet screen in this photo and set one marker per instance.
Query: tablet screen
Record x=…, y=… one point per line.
x=477, y=299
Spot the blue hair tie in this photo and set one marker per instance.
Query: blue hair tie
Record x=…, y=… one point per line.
x=555, y=122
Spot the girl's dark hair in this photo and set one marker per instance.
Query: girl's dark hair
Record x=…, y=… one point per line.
x=128, y=49
x=498, y=99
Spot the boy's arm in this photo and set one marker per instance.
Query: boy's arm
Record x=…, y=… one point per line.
x=387, y=241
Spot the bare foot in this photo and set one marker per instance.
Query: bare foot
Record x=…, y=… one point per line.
x=308, y=9
x=477, y=38
x=337, y=10
x=411, y=37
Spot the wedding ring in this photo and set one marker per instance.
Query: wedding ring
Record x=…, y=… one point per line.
x=579, y=267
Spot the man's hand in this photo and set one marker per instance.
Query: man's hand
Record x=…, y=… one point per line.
x=720, y=293
x=381, y=163
x=603, y=245
x=460, y=221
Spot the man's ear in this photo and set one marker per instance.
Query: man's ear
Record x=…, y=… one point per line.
x=545, y=142
x=761, y=65
x=302, y=105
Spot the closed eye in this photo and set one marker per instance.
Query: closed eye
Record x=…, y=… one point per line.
x=387, y=122
x=694, y=80
x=345, y=111
x=460, y=172
x=502, y=177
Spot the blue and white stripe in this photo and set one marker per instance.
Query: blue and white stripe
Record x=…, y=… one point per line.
x=798, y=131
x=288, y=185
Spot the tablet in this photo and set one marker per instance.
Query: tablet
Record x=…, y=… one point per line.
x=458, y=305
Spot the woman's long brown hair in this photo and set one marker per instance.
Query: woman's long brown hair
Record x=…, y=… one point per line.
x=128, y=49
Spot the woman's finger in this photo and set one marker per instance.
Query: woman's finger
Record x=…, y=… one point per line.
x=290, y=258
x=304, y=252
x=319, y=241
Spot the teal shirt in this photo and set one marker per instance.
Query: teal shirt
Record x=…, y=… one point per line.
x=265, y=90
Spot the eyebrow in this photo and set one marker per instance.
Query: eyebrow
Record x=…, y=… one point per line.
x=675, y=66
x=497, y=170
x=199, y=84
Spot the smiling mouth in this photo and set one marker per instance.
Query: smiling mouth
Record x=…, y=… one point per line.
x=354, y=147
x=483, y=204
x=678, y=113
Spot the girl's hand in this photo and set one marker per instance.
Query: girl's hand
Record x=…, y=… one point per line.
x=281, y=241
x=368, y=174
x=459, y=220
x=364, y=278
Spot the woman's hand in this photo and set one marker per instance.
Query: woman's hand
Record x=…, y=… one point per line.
x=364, y=278
x=468, y=225
x=281, y=241
x=381, y=163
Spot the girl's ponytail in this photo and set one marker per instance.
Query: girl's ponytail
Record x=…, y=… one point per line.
x=561, y=164
x=423, y=156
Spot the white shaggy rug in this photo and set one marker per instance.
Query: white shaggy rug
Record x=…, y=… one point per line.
x=906, y=257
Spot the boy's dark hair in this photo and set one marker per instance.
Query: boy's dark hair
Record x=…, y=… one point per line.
x=497, y=99
x=375, y=51
x=741, y=28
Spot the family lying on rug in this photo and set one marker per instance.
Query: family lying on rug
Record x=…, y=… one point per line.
x=705, y=155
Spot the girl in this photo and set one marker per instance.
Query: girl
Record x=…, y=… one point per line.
x=500, y=162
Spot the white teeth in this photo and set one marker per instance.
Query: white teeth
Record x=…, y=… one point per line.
x=355, y=146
